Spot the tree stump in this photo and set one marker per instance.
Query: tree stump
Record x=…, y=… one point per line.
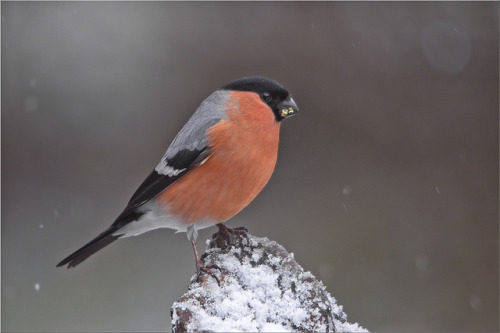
x=254, y=284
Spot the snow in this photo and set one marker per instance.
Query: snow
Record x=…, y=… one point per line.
x=30, y=103
x=347, y=190
x=261, y=288
x=422, y=265
x=475, y=302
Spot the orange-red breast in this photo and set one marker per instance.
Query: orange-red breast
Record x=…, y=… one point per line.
x=216, y=165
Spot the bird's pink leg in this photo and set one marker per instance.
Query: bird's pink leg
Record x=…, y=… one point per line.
x=199, y=264
x=200, y=267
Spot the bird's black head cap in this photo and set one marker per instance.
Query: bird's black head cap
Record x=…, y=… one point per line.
x=270, y=91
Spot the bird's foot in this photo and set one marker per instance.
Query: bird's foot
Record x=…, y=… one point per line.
x=226, y=231
x=223, y=236
x=202, y=271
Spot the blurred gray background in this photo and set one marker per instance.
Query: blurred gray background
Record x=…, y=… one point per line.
x=386, y=185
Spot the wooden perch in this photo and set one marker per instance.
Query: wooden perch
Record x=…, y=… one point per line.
x=254, y=284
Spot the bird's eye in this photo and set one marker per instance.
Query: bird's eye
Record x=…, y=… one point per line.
x=267, y=97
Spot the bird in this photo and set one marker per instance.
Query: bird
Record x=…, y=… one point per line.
x=216, y=165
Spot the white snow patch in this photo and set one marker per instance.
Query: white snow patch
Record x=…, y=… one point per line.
x=257, y=298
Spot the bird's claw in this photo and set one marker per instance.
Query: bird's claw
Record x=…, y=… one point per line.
x=201, y=268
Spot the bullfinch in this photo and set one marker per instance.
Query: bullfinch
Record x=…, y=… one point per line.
x=216, y=165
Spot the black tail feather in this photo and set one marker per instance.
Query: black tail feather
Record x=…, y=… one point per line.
x=90, y=248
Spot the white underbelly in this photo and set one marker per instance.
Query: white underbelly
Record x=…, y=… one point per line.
x=154, y=218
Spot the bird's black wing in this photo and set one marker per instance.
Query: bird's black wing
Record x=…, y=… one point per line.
x=156, y=182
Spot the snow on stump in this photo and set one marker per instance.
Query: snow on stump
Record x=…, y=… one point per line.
x=253, y=284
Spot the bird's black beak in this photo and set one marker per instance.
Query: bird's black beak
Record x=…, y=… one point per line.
x=287, y=108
